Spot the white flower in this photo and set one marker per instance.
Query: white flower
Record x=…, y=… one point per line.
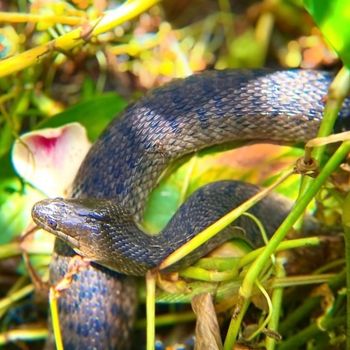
x=49, y=158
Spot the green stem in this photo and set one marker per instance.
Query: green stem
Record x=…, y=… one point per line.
x=187, y=179
x=263, y=33
x=15, y=335
x=14, y=288
x=19, y=294
x=150, y=309
x=267, y=319
x=299, y=339
x=338, y=90
x=303, y=280
x=219, y=225
x=201, y=274
x=235, y=324
x=247, y=287
x=286, y=245
x=9, y=250
x=300, y=313
x=55, y=320
x=277, y=297
x=109, y=20
x=347, y=254
x=346, y=225
x=296, y=212
x=168, y=319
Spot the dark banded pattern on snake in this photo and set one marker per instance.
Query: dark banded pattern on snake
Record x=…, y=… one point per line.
x=125, y=163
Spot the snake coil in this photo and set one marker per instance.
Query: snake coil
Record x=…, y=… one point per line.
x=124, y=165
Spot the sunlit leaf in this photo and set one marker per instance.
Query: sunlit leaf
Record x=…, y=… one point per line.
x=16, y=202
x=333, y=18
x=94, y=114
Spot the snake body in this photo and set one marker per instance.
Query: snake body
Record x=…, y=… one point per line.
x=124, y=165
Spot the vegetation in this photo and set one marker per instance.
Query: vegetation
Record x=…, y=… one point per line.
x=84, y=60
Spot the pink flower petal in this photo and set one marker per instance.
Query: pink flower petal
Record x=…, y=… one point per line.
x=49, y=158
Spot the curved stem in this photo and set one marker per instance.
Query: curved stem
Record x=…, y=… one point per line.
x=296, y=212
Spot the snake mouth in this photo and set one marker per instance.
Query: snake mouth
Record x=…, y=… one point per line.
x=73, y=242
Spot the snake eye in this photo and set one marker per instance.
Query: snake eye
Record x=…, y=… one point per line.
x=52, y=223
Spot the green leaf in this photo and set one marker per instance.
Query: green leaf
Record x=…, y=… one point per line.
x=6, y=138
x=94, y=114
x=333, y=18
x=6, y=169
x=16, y=202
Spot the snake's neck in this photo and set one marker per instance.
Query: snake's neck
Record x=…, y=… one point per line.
x=103, y=231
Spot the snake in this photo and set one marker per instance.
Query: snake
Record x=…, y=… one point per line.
x=102, y=218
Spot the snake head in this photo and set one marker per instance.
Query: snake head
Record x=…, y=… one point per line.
x=82, y=223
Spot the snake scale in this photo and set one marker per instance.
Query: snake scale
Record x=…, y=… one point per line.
x=124, y=165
